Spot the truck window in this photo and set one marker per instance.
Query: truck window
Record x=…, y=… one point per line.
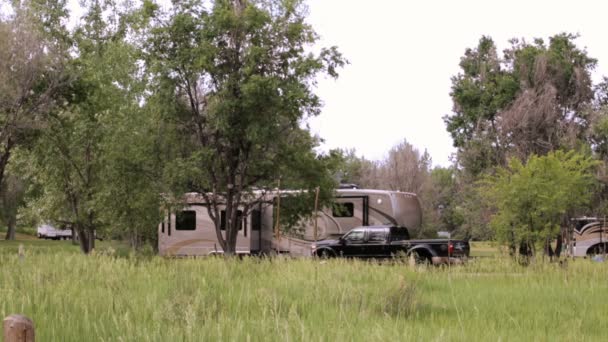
x=377, y=235
x=343, y=209
x=185, y=220
x=399, y=234
x=355, y=236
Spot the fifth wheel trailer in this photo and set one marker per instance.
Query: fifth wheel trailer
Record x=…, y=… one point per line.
x=589, y=236
x=189, y=231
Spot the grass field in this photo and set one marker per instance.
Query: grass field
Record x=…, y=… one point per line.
x=103, y=297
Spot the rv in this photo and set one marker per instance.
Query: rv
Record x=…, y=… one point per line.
x=589, y=236
x=189, y=231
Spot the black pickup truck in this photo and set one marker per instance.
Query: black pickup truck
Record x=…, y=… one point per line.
x=380, y=242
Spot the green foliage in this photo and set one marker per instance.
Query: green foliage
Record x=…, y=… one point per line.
x=533, y=199
x=483, y=89
x=509, y=106
x=95, y=165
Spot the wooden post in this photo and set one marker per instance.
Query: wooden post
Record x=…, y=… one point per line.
x=316, y=208
x=277, y=224
x=18, y=328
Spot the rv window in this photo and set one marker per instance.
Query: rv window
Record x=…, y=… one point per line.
x=343, y=209
x=239, y=218
x=185, y=220
x=169, y=224
x=256, y=220
x=162, y=226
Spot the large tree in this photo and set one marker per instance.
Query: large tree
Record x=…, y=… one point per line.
x=237, y=79
x=32, y=61
x=531, y=101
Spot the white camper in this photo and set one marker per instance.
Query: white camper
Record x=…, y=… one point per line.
x=190, y=231
x=46, y=231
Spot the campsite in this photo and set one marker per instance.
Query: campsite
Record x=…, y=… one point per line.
x=303, y=170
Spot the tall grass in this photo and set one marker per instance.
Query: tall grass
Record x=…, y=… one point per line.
x=102, y=297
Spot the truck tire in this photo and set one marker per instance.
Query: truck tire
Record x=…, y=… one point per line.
x=326, y=253
x=421, y=257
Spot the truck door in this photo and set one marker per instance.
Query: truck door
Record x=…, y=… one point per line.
x=353, y=243
x=377, y=243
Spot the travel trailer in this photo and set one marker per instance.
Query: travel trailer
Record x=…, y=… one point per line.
x=589, y=236
x=189, y=231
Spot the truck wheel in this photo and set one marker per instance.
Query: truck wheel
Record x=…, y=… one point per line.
x=421, y=258
x=325, y=254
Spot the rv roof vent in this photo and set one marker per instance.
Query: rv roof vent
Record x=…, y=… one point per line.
x=348, y=186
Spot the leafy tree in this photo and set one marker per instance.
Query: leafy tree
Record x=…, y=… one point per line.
x=484, y=88
x=533, y=199
x=77, y=158
x=31, y=75
x=236, y=80
x=531, y=101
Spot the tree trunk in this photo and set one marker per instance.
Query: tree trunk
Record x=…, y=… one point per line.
x=12, y=224
x=91, y=233
x=74, y=236
x=548, y=249
x=83, y=236
x=4, y=157
x=135, y=240
x=559, y=246
x=526, y=252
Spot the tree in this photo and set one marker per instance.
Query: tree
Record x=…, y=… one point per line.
x=533, y=199
x=31, y=75
x=79, y=157
x=532, y=101
x=236, y=80
x=551, y=110
x=405, y=168
x=480, y=93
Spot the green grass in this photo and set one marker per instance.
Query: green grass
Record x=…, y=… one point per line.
x=103, y=297
x=483, y=248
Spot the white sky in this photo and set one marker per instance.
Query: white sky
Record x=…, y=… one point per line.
x=403, y=54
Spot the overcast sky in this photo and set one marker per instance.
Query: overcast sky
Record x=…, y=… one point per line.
x=403, y=53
